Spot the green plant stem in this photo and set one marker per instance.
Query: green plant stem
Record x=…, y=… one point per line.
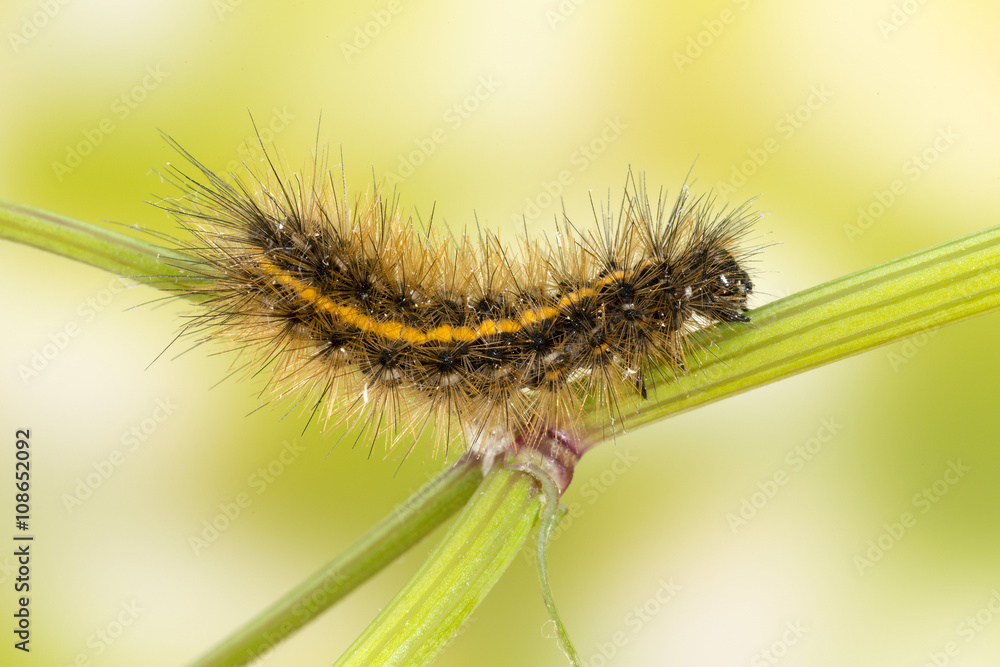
x=926, y=289
x=455, y=578
x=394, y=535
x=105, y=249
x=550, y=517
x=918, y=292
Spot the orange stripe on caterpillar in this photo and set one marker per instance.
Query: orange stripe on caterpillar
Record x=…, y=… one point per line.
x=392, y=330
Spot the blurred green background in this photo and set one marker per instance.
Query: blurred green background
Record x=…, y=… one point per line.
x=822, y=109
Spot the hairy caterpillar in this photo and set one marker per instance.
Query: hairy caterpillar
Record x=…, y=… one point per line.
x=391, y=329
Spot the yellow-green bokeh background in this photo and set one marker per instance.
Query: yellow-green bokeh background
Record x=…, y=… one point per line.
x=665, y=516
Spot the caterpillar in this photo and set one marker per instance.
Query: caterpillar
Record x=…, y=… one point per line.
x=391, y=329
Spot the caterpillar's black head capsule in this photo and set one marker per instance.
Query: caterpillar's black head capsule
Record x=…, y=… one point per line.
x=732, y=286
x=728, y=286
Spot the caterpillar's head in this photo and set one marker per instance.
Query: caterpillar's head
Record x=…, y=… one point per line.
x=726, y=287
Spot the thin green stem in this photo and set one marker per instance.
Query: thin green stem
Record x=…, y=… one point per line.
x=393, y=536
x=924, y=290
x=550, y=517
x=918, y=292
x=455, y=578
x=105, y=249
